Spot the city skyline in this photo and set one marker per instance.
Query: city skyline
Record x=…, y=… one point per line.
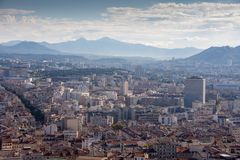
x=164, y=24
x=119, y=79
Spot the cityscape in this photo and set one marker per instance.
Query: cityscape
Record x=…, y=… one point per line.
x=119, y=80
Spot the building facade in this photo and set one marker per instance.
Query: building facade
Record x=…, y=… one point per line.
x=195, y=90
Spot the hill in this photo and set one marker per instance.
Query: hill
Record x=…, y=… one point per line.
x=217, y=55
x=26, y=47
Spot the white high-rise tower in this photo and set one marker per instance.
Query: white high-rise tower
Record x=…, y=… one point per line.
x=124, y=89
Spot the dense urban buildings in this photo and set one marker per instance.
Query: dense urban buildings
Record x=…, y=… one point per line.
x=69, y=111
x=119, y=80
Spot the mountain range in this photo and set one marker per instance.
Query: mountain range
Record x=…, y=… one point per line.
x=106, y=47
x=102, y=47
x=26, y=47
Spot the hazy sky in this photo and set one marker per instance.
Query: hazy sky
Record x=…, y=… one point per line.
x=161, y=23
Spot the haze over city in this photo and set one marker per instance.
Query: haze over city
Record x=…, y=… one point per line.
x=119, y=80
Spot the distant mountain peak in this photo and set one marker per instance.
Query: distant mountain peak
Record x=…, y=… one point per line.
x=80, y=39
x=30, y=45
x=108, y=40
x=217, y=47
x=105, y=38
x=217, y=55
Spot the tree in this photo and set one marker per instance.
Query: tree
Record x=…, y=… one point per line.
x=117, y=127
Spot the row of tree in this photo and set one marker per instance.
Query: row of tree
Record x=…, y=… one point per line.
x=36, y=112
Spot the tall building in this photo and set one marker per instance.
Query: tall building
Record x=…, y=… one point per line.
x=124, y=89
x=195, y=90
x=139, y=71
x=72, y=124
x=51, y=129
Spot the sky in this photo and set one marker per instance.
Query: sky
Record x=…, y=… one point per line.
x=160, y=23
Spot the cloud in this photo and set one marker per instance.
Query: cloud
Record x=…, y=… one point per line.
x=191, y=39
x=163, y=25
x=179, y=15
x=15, y=12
